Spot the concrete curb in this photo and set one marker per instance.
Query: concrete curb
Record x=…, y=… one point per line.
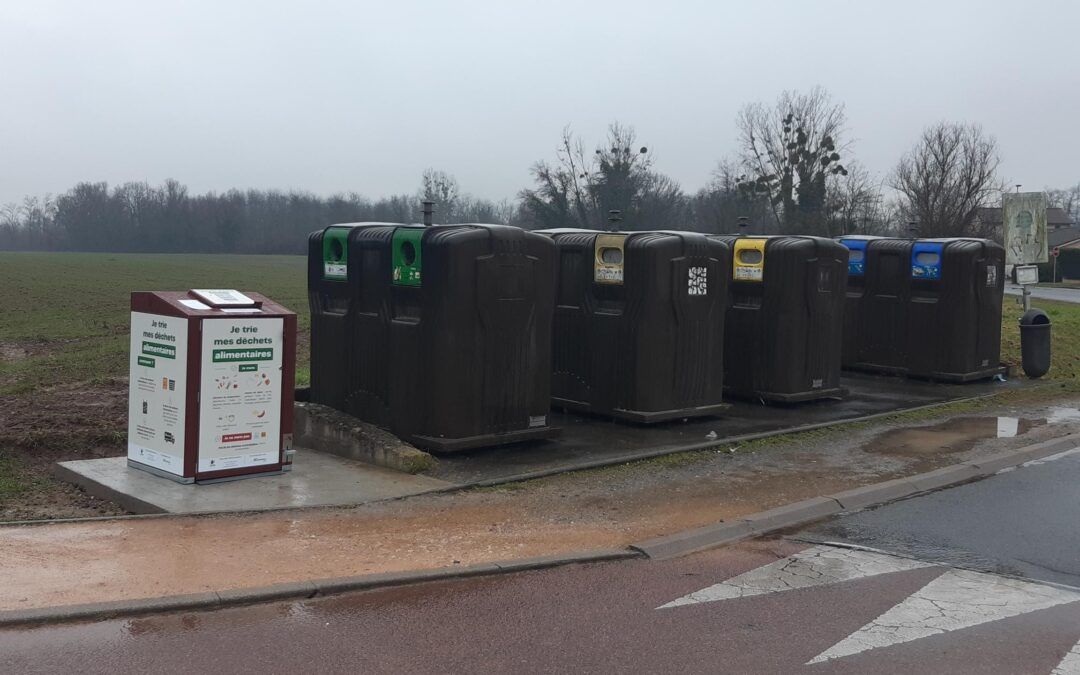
x=816, y=508
x=300, y=590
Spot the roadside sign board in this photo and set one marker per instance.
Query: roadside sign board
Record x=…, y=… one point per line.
x=211, y=384
x=1026, y=274
x=1024, y=218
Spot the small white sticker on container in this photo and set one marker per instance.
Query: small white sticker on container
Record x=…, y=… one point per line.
x=748, y=273
x=337, y=270
x=697, y=281
x=537, y=421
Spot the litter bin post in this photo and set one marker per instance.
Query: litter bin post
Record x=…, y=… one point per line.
x=1035, y=343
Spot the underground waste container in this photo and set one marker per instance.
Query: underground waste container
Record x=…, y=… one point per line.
x=856, y=288
x=875, y=317
x=441, y=334
x=639, y=324
x=1035, y=342
x=784, y=325
x=954, y=309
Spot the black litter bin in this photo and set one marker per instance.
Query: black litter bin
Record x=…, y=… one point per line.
x=954, y=309
x=1035, y=343
x=441, y=334
x=784, y=328
x=639, y=324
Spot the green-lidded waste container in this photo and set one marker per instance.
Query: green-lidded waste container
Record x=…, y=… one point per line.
x=954, y=310
x=441, y=334
x=639, y=324
x=784, y=327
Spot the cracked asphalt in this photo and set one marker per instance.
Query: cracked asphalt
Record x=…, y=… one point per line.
x=973, y=579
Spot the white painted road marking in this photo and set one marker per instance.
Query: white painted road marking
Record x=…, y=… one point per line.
x=955, y=600
x=1070, y=665
x=815, y=566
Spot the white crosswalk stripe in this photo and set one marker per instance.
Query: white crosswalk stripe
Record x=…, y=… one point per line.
x=816, y=566
x=955, y=600
x=1070, y=665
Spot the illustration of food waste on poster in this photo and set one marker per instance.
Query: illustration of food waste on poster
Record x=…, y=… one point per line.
x=240, y=401
x=156, y=391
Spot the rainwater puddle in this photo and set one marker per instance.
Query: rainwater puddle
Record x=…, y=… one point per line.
x=955, y=435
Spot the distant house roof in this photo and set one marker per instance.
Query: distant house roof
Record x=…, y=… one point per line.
x=1055, y=217
x=1062, y=235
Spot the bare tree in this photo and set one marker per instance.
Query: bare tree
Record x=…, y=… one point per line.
x=441, y=188
x=789, y=150
x=1067, y=200
x=580, y=188
x=855, y=203
x=946, y=177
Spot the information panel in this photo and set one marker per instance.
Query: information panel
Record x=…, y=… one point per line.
x=156, y=391
x=240, y=393
x=1024, y=218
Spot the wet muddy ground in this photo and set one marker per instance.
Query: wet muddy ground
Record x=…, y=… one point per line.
x=615, y=506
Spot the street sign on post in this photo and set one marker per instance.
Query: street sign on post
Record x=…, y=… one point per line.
x=1023, y=216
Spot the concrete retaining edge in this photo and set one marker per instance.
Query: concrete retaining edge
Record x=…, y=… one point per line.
x=659, y=548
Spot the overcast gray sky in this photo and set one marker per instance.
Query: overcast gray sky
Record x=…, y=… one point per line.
x=338, y=96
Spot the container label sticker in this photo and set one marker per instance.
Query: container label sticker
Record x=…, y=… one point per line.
x=157, y=387
x=991, y=276
x=537, y=421
x=240, y=393
x=338, y=271
x=749, y=273
x=697, y=281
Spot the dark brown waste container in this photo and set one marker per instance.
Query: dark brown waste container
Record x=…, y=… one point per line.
x=954, y=311
x=639, y=324
x=876, y=314
x=784, y=328
x=441, y=334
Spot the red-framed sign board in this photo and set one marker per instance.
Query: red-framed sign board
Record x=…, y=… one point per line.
x=212, y=379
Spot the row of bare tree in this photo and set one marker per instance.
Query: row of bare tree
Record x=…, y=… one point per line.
x=794, y=173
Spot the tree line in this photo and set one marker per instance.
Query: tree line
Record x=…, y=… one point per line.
x=795, y=172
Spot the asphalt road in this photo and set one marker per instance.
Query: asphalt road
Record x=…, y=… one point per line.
x=1047, y=293
x=975, y=579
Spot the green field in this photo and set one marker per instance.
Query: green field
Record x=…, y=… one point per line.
x=64, y=316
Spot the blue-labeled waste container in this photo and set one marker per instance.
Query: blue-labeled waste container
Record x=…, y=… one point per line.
x=953, y=311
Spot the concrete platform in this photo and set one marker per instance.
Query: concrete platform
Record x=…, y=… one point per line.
x=596, y=441
x=317, y=479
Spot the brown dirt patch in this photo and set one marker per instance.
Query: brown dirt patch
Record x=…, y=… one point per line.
x=75, y=421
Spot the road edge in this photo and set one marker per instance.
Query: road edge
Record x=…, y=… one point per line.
x=816, y=508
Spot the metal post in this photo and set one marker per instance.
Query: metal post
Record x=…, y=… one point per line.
x=1055, y=279
x=429, y=212
x=614, y=218
x=1027, y=298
